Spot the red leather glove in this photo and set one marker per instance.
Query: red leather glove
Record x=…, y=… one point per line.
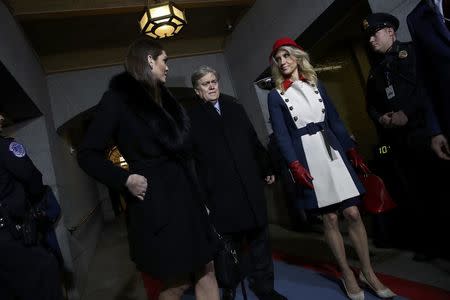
x=357, y=160
x=300, y=174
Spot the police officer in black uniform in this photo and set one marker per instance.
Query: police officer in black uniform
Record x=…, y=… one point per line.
x=397, y=104
x=27, y=270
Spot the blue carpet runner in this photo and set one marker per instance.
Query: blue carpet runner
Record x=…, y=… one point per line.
x=297, y=282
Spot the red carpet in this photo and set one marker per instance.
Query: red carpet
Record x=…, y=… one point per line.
x=405, y=288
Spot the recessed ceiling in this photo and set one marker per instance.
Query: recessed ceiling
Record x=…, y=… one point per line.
x=71, y=35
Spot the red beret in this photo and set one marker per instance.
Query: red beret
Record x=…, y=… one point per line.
x=285, y=41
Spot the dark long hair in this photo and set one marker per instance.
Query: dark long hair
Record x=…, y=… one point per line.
x=136, y=64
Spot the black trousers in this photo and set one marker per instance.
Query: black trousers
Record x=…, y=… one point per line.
x=256, y=257
x=27, y=273
x=414, y=183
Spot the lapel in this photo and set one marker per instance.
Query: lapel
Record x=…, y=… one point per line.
x=209, y=122
x=210, y=112
x=226, y=111
x=232, y=119
x=430, y=16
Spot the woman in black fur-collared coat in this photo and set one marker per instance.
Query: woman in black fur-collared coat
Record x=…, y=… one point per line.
x=169, y=232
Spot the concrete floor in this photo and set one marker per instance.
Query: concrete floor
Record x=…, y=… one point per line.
x=113, y=276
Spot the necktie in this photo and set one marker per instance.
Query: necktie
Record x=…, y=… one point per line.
x=217, y=108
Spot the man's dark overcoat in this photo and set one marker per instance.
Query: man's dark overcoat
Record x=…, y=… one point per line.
x=232, y=164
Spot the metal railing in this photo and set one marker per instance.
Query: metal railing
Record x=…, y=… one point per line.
x=84, y=220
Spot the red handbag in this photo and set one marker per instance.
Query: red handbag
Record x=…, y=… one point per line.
x=377, y=198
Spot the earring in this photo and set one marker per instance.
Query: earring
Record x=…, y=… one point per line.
x=150, y=61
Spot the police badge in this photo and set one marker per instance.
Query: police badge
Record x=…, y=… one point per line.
x=403, y=54
x=365, y=24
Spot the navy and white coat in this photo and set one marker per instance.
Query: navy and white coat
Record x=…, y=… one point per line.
x=308, y=128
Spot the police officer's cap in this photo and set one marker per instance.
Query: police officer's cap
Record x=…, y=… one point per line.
x=377, y=21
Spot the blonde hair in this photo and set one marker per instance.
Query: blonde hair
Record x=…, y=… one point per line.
x=304, y=67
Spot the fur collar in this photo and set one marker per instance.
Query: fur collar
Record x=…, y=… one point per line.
x=168, y=122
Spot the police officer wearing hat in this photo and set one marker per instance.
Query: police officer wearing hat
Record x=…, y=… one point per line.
x=27, y=270
x=397, y=104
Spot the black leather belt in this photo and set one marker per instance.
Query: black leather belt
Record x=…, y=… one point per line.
x=310, y=128
x=313, y=128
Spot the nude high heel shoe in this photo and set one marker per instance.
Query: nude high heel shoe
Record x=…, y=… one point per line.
x=356, y=296
x=384, y=293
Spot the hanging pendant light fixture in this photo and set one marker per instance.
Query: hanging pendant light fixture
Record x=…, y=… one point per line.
x=162, y=20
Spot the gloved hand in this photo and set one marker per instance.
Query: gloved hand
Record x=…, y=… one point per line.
x=357, y=160
x=300, y=174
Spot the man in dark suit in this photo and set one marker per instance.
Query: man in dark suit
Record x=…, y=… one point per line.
x=429, y=25
x=232, y=166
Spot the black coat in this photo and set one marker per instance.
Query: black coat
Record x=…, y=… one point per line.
x=169, y=233
x=232, y=164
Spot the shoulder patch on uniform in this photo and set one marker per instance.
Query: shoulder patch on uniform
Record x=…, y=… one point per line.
x=17, y=149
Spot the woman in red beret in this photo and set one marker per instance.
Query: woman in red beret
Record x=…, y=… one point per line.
x=321, y=157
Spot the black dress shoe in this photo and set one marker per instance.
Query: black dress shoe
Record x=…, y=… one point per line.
x=270, y=295
x=228, y=294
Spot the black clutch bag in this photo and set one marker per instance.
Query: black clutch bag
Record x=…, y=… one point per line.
x=226, y=264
